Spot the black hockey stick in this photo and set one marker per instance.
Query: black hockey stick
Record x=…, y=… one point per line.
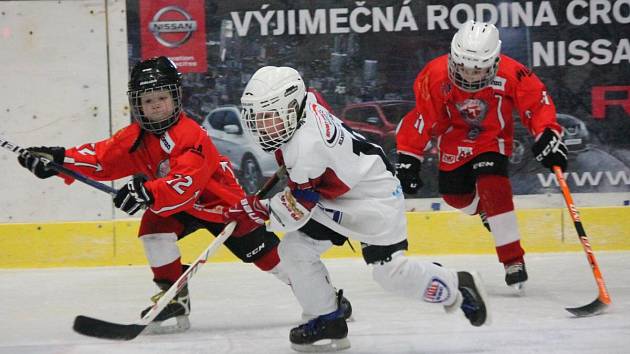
x=108, y=330
x=603, y=299
x=59, y=168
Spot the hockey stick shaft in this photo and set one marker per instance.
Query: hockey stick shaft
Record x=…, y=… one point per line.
x=102, y=329
x=575, y=215
x=57, y=167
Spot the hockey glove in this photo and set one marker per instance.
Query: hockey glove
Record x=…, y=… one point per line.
x=550, y=150
x=408, y=172
x=34, y=163
x=133, y=196
x=249, y=214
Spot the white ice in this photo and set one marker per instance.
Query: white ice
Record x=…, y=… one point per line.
x=238, y=309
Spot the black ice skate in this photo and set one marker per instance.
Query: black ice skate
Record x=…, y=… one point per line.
x=323, y=333
x=178, y=309
x=472, y=299
x=345, y=305
x=516, y=274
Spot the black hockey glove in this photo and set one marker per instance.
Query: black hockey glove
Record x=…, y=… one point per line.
x=133, y=196
x=408, y=172
x=34, y=163
x=550, y=150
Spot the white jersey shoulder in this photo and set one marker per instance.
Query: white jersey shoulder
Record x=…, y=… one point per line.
x=324, y=143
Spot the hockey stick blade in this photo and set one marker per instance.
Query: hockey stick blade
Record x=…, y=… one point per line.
x=107, y=330
x=595, y=308
x=102, y=329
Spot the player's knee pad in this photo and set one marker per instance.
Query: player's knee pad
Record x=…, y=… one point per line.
x=495, y=193
x=251, y=247
x=160, y=248
x=298, y=251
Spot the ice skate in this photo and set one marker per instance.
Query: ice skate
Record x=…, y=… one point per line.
x=472, y=299
x=324, y=333
x=176, y=311
x=345, y=306
x=516, y=275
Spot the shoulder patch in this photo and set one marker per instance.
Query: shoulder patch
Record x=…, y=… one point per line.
x=328, y=128
x=498, y=83
x=167, y=143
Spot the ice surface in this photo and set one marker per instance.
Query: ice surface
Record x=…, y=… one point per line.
x=238, y=309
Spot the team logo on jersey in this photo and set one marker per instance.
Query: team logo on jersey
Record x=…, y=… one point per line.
x=437, y=291
x=328, y=128
x=164, y=167
x=473, y=111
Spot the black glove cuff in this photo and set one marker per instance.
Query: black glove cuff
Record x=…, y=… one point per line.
x=408, y=163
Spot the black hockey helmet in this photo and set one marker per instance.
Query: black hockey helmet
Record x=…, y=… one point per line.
x=155, y=74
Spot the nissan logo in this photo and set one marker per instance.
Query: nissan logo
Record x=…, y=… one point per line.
x=186, y=26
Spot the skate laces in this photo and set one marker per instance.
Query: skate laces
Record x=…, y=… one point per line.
x=469, y=303
x=155, y=298
x=312, y=326
x=514, y=268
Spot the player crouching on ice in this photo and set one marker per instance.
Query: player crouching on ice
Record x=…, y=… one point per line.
x=179, y=177
x=339, y=185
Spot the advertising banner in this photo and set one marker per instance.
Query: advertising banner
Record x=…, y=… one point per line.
x=362, y=58
x=175, y=29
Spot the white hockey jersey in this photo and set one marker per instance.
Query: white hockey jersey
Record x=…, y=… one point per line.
x=360, y=197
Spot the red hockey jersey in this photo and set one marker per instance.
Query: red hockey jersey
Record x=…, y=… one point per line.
x=467, y=124
x=184, y=168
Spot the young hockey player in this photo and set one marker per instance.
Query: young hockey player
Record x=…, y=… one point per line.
x=466, y=99
x=178, y=176
x=339, y=185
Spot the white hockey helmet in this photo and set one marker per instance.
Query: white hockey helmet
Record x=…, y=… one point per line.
x=272, y=105
x=474, y=57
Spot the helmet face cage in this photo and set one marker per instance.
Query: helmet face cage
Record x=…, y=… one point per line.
x=471, y=79
x=156, y=126
x=153, y=75
x=473, y=61
x=270, y=128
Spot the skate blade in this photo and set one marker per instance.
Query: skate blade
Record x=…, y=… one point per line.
x=519, y=287
x=323, y=345
x=182, y=324
x=481, y=289
x=306, y=318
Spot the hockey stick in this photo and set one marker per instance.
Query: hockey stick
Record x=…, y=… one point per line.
x=57, y=167
x=603, y=299
x=108, y=330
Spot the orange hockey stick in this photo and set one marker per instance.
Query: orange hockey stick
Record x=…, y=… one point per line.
x=603, y=300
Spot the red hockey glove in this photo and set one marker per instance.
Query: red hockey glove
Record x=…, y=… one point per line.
x=249, y=215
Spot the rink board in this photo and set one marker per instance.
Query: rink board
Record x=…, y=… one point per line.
x=448, y=232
